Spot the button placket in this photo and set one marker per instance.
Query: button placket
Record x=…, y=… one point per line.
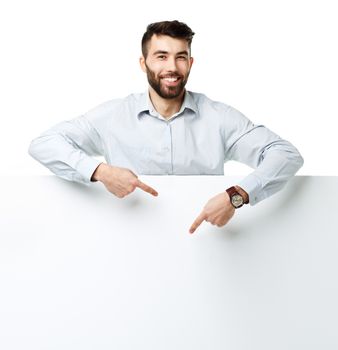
x=167, y=149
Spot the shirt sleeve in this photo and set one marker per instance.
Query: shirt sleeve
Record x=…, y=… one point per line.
x=274, y=159
x=68, y=149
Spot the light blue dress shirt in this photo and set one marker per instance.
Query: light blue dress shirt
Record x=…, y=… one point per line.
x=197, y=140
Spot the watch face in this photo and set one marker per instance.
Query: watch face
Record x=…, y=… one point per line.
x=237, y=200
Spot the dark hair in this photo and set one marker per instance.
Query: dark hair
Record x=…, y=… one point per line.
x=175, y=29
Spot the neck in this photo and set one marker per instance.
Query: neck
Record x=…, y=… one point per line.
x=166, y=107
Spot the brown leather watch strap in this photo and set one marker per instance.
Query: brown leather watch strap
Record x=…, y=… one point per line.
x=231, y=191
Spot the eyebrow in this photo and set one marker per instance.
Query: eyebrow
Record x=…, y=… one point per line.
x=185, y=52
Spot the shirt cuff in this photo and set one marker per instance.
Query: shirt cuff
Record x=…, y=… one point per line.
x=85, y=169
x=251, y=184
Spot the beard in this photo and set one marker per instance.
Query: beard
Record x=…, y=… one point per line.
x=167, y=92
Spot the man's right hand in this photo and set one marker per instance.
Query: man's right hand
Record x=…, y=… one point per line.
x=120, y=181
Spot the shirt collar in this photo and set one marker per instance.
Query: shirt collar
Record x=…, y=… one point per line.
x=145, y=104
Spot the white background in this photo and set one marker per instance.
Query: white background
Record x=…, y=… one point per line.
x=275, y=61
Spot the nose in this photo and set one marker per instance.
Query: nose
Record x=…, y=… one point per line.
x=171, y=64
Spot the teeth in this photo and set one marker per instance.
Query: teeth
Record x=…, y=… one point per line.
x=170, y=79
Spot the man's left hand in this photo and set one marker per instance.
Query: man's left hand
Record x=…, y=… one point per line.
x=218, y=211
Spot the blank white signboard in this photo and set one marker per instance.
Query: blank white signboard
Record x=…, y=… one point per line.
x=83, y=269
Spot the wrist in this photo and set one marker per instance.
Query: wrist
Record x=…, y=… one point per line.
x=237, y=196
x=98, y=173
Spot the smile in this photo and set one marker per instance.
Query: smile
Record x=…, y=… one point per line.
x=171, y=79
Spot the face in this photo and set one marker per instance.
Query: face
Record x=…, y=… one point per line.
x=167, y=65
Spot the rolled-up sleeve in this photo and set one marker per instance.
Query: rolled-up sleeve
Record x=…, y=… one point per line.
x=274, y=159
x=68, y=149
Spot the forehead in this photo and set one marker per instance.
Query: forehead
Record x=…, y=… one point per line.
x=167, y=43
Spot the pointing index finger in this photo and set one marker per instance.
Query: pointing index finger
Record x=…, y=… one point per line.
x=197, y=222
x=146, y=188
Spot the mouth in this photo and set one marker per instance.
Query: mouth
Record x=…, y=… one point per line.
x=171, y=81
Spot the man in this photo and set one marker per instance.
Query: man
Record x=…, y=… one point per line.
x=168, y=130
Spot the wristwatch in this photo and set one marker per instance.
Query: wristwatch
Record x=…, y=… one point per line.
x=235, y=198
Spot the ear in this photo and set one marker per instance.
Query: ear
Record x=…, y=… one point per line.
x=191, y=61
x=143, y=64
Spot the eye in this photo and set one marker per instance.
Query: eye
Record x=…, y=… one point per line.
x=161, y=57
x=181, y=57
